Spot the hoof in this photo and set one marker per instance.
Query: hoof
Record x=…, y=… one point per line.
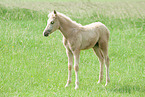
x=106, y=84
x=99, y=82
x=76, y=87
x=66, y=85
x=108, y=80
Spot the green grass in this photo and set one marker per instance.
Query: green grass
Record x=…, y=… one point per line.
x=32, y=65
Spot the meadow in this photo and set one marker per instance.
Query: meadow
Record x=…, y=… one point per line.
x=32, y=65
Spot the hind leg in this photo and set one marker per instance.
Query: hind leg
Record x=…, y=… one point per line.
x=107, y=70
x=98, y=52
x=104, y=47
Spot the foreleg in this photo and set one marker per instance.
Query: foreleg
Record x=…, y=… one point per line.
x=76, y=67
x=70, y=63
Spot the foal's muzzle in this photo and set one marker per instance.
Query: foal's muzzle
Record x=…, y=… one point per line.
x=46, y=33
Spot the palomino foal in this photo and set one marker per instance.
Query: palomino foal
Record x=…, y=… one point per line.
x=76, y=38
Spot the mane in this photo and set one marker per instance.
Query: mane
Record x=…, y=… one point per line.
x=68, y=18
x=61, y=15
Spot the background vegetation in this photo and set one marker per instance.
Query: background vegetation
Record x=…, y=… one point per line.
x=32, y=65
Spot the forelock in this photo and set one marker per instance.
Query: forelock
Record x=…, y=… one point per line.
x=49, y=15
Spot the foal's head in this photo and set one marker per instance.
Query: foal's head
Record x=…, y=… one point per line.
x=52, y=23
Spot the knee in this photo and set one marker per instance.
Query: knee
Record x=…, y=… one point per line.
x=107, y=60
x=76, y=68
x=69, y=67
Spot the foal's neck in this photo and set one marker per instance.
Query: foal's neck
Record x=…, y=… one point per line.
x=68, y=27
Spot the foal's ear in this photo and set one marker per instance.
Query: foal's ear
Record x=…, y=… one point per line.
x=55, y=12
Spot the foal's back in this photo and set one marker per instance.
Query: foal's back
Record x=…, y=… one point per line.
x=92, y=33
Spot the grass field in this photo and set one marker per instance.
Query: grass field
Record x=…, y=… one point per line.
x=34, y=66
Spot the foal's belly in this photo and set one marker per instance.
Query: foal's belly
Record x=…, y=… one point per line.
x=86, y=44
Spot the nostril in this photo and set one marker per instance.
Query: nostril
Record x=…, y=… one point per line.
x=45, y=34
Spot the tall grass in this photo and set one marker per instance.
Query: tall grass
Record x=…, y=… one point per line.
x=32, y=65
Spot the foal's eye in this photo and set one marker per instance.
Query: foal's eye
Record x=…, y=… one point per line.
x=52, y=22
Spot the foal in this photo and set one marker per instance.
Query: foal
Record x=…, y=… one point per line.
x=76, y=38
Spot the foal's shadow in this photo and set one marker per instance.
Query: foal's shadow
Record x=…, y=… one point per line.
x=128, y=88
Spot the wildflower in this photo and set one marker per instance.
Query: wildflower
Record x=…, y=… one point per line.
x=48, y=79
x=12, y=46
x=0, y=40
x=31, y=76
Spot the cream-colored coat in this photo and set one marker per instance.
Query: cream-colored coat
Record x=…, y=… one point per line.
x=77, y=37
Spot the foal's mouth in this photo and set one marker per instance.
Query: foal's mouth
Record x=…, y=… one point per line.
x=46, y=33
